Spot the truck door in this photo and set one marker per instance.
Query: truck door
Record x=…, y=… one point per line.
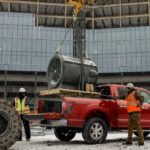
x=145, y=112
x=122, y=109
x=110, y=104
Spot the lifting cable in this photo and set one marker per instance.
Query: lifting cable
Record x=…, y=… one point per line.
x=70, y=27
x=63, y=40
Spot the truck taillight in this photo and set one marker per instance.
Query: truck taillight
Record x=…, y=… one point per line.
x=40, y=106
x=67, y=107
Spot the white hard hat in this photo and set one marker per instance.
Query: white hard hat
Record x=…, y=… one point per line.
x=22, y=90
x=130, y=85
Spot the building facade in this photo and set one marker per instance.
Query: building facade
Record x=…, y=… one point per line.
x=118, y=42
x=26, y=47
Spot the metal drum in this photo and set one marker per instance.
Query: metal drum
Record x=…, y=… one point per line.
x=65, y=72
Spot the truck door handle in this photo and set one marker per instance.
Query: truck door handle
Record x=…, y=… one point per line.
x=122, y=106
x=145, y=108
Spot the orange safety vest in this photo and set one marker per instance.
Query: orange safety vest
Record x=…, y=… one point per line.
x=20, y=106
x=132, y=103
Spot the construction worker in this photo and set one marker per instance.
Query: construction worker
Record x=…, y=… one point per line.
x=21, y=104
x=134, y=112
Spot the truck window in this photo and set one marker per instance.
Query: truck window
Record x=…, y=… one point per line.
x=105, y=91
x=122, y=91
x=146, y=96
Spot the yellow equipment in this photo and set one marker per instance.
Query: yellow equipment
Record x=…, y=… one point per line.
x=79, y=4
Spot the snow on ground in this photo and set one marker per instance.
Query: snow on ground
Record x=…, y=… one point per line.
x=50, y=142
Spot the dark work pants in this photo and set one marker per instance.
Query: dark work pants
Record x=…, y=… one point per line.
x=26, y=128
x=134, y=122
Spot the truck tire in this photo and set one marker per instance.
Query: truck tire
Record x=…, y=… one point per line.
x=64, y=134
x=95, y=131
x=145, y=134
x=10, y=125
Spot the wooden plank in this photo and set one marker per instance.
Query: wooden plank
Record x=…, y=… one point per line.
x=49, y=92
x=67, y=92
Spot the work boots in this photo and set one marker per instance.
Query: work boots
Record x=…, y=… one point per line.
x=130, y=143
x=127, y=143
x=140, y=144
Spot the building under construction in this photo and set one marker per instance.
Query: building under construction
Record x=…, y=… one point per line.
x=117, y=40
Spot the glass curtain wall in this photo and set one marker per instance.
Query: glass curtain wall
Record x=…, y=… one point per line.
x=120, y=49
x=26, y=47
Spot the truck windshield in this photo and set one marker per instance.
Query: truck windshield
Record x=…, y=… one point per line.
x=122, y=91
x=146, y=96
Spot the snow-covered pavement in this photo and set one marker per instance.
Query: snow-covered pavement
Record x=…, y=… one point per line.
x=50, y=142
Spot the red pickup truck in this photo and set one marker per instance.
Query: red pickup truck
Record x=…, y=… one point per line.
x=72, y=112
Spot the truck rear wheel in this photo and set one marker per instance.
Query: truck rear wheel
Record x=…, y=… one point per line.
x=64, y=134
x=95, y=131
x=10, y=125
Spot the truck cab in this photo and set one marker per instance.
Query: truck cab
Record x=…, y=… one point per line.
x=120, y=92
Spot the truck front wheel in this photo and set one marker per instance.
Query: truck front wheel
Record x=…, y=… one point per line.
x=64, y=134
x=95, y=131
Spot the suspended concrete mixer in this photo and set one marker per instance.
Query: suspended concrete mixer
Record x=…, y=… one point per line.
x=65, y=72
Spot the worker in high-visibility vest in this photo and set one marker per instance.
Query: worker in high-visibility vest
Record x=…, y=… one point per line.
x=134, y=103
x=21, y=104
